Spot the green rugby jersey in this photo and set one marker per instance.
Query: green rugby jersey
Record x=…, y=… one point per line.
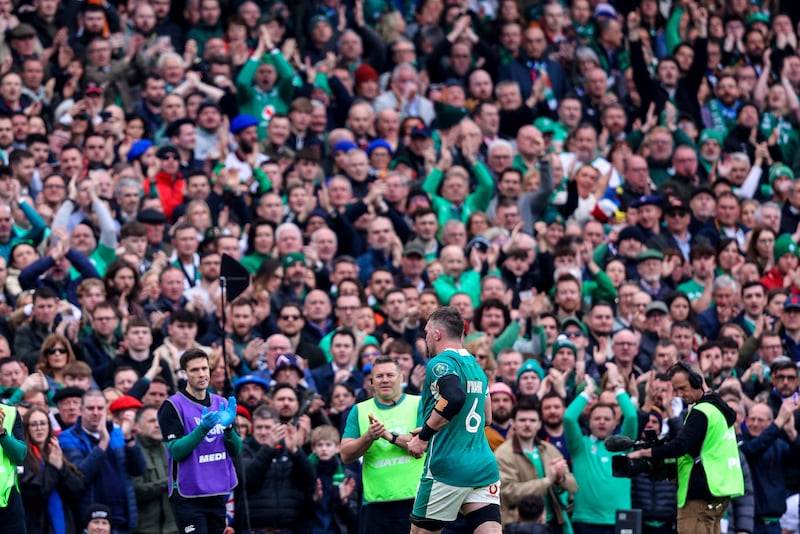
x=459, y=454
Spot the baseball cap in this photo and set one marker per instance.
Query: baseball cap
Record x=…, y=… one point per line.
x=420, y=131
x=656, y=307
x=150, y=216
x=574, y=321
x=792, y=303
x=647, y=200
x=414, y=248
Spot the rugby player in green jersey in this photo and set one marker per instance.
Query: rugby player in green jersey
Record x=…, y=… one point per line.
x=460, y=471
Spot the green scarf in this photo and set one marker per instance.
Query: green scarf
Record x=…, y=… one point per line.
x=338, y=476
x=722, y=118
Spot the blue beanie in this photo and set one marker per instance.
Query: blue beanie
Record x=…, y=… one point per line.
x=138, y=149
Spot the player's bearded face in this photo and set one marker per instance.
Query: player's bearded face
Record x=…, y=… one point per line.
x=429, y=343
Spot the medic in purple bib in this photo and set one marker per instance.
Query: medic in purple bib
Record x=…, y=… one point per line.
x=198, y=430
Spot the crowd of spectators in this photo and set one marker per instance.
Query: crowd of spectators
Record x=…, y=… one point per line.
x=600, y=189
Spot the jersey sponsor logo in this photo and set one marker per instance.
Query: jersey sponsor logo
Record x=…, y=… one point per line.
x=397, y=460
x=213, y=433
x=213, y=457
x=440, y=369
x=474, y=386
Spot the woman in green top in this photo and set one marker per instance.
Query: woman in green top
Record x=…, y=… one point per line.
x=728, y=256
x=260, y=242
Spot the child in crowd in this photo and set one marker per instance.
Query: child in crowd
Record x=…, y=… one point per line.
x=336, y=496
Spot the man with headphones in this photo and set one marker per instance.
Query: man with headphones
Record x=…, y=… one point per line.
x=709, y=468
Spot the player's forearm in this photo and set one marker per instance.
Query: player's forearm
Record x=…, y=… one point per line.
x=436, y=421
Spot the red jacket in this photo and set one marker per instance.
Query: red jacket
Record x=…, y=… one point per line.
x=772, y=279
x=169, y=189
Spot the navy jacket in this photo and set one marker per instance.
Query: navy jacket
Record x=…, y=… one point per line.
x=767, y=455
x=82, y=450
x=519, y=72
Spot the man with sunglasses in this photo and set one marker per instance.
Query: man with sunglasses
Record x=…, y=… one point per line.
x=167, y=182
x=290, y=323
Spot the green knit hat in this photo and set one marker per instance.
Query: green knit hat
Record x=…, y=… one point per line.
x=784, y=245
x=779, y=170
x=448, y=116
x=530, y=366
x=709, y=134
x=563, y=342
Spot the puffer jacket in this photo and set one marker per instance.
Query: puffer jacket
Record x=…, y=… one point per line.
x=656, y=499
x=741, y=510
x=279, y=487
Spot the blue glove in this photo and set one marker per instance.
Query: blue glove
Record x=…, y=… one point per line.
x=210, y=419
x=227, y=414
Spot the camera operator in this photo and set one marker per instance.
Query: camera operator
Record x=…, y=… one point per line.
x=655, y=498
x=709, y=468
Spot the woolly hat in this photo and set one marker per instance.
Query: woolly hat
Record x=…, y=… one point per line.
x=784, y=245
x=528, y=367
x=563, y=342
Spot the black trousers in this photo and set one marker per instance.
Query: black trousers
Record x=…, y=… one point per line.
x=386, y=517
x=205, y=514
x=12, y=516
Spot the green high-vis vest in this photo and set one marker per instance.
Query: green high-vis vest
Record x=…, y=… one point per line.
x=719, y=458
x=390, y=473
x=8, y=469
